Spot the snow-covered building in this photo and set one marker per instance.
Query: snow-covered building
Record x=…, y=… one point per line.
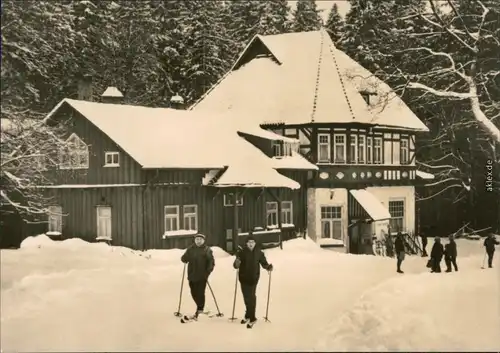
x=150, y=178
x=351, y=125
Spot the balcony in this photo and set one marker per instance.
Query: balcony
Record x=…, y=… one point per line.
x=330, y=175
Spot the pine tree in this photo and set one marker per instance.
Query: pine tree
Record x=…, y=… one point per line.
x=206, y=40
x=335, y=24
x=274, y=18
x=306, y=16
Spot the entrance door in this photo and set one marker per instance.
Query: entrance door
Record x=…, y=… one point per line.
x=104, y=223
x=331, y=223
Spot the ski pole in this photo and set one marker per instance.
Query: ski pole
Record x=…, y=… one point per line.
x=219, y=314
x=178, y=312
x=268, y=295
x=232, y=318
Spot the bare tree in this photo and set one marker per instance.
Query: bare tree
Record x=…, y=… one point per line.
x=29, y=151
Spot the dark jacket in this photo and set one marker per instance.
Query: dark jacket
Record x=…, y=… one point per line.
x=437, y=251
x=200, y=262
x=399, y=244
x=450, y=249
x=249, y=269
x=490, y=243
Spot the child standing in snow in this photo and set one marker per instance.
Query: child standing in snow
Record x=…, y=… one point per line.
x=450, y=254
x=248, y=261
x=489, y=244
x=201, y=263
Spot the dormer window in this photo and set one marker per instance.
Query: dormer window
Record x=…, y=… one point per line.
x=282, y=149
x=112, y=159
x=367, y=96
x=74, y=154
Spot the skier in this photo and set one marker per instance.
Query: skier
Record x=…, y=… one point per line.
x=436, y=255
x=489, y=244
x=399, y=246
x=201, y=263
x=424, y=244
x=450, y=254
x=247, y=261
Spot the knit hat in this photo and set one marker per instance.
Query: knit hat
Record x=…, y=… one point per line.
x=250, y=237
x=199, y=235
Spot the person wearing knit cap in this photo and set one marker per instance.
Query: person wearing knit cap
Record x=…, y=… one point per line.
x=201, y=263
x=248, y=261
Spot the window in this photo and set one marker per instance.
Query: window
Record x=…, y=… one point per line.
x=103, y=222
x=286, y=212
x=272, y=213
x=353, y=150
x=112, y=159
x=339, y=148
x=228, y=200
x=171, y=218
x=377, y=150
x=404, y=152
x=55, y=219
x=324, y=152
x=361, y=149
x=369, y=149
x=190, y=214
x=366, y=97
x=75, y=154
x=281, y=149
x=397, y=211
x=331, y=222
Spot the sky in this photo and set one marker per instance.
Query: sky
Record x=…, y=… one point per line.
x=326, y=5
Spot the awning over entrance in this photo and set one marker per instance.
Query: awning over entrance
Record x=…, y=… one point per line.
x=371, y=204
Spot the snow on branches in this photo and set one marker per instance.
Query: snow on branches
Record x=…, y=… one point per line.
x=29, y=149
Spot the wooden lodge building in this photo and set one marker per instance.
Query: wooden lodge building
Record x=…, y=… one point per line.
x=351, y=125
x=153, y=177
x=296, y=138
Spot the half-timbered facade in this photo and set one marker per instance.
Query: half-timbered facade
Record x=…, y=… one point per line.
x=153, y=177
x=352, y=126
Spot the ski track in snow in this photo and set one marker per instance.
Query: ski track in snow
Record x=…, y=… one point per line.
x=70, y=300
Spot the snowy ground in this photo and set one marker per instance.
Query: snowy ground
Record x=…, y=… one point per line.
x=73, y=296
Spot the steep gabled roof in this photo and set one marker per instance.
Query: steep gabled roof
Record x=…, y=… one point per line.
x=169, y=138
x=310, y=81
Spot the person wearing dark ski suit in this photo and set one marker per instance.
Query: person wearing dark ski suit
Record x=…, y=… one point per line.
x=489, y=244
x=450, y=254
x=201, y=263
x=399, y=246
x=248, y=261
x=436, y=255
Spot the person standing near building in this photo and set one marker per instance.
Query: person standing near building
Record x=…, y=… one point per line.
x=399, y=246
x=248, y=261
x=436, y=255
x=424, y=244
x=450, y=254
x=201, y=263
x=489, y=244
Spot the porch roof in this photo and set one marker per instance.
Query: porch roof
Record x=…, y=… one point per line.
x=371, y=204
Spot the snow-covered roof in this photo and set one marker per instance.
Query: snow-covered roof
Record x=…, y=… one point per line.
x=177, y=99
x=371, y=204
x=170, y=138
x=112, y=92
x=311, y=82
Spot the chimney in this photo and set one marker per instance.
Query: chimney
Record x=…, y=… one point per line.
x=177, y=102
x=112, y=95
x=85, y=88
